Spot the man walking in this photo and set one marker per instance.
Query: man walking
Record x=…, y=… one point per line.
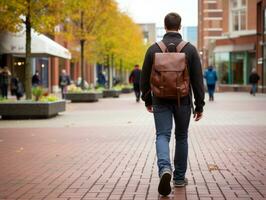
x=135, y=79
x=211, y=78
x=179, y=109
x=36, y=80
x=64, y=81
x=253, y=80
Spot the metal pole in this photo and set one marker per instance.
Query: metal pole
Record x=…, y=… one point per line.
x=82, y=42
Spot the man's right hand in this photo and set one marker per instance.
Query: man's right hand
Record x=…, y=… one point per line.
x=149, y=109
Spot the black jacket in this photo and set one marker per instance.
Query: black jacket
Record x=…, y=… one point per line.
x=135, y=76
x=254, y=78
x=195, y=72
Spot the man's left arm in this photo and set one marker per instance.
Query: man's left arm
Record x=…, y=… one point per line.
x=196, y=79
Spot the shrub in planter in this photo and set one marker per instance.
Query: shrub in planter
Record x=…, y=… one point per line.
x=42, y=105
x=37, y=92
x=76, y=94
x=126, y=88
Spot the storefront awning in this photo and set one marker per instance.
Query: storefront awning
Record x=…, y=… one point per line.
x=234, y=48
x=14, y=43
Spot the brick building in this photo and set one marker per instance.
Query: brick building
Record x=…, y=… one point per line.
x=210, y=27
x=228, y=39
x=44, y=53
x=72, y=67
x=261, y=40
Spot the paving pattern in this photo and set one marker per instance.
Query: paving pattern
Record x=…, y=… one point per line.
x=106, y=151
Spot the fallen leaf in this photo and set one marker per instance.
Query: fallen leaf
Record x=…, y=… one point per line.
x=20, y=150
x=213, y=167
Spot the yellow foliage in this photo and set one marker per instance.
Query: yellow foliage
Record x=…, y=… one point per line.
x=44, y=14
x=105, y=30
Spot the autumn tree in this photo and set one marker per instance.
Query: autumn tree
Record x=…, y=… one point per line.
x=121, y=38
x=83, y=20
x=40, y=15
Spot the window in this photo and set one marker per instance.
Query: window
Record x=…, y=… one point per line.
x=222, y=66
x=238, y=67
x=238, y=15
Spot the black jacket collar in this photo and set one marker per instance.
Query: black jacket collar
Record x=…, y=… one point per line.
x=172, y=35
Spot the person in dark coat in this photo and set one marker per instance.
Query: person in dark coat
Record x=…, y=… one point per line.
x=17, y=88
x=167, y=111
x=64, y=81
x=36, y=80
x=4, y=81
x=101, y=79
x=253, y=80
x=211, y=78
x=135, y=79
x=13, y=85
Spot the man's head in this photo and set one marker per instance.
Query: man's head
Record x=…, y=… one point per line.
x=172, y=22
x=136, y=66
x=63, y=71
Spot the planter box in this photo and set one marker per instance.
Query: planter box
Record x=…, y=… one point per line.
x=31, y=110
x=111, y=93
x=83, y=97
x=126, y=90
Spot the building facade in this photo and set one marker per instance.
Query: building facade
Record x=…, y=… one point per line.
x=43, y=52
x=261, y=41
x=189, y=33
x=233, y=49
x=210, y=27
x=149, y=32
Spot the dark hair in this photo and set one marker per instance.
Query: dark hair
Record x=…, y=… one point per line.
x=172, y=21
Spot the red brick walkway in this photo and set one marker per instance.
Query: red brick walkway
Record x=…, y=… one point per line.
x=106, y=150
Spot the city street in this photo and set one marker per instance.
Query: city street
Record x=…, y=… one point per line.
x=106, y=151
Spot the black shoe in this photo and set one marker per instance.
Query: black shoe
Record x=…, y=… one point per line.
x=164, y=187
x=181, y=183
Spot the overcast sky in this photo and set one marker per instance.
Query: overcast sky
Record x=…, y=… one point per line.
x=153, y=11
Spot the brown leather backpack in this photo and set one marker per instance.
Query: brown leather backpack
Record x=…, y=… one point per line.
x=169, y=76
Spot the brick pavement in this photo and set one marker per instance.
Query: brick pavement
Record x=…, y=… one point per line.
x=106, y=150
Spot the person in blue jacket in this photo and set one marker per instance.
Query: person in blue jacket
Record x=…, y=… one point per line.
x=211, y=78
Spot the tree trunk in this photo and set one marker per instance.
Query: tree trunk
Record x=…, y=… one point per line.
x=112, y=70
x=28, y=70
x=121, y=71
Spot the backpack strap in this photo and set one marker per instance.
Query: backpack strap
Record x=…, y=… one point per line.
x=162, y=46
x=181, y=45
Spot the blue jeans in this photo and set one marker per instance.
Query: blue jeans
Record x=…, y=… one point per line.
x=253, y=88
x=163, y=116
x=211, y=89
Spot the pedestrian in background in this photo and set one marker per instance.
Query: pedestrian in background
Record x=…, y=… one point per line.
x=165, y=110
x=4, y=81
x=36, y=80
x=135, y=79
x=13, y=85
x=211, y=78
x=101, y=79
x=253, y=80
x=64, y=81
x=17, y=88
